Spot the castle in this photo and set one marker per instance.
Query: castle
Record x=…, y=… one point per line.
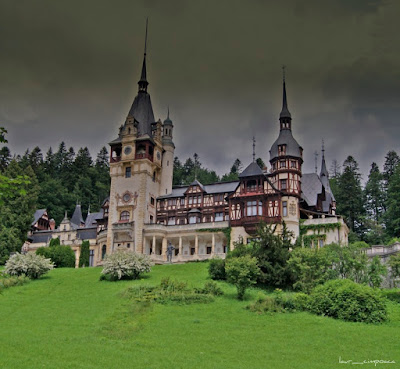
x=144, y=213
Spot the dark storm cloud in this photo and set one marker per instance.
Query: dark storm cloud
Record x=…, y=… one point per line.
x=68, y=71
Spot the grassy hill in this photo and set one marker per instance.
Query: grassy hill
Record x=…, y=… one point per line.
x=69, y=319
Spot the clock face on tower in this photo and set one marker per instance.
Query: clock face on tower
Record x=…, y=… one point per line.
x=127, y=150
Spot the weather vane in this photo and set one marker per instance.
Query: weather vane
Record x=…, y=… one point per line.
x=316, y=160
x=284, y=72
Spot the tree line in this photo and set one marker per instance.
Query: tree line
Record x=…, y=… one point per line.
x=56, y=181
x=372, y=212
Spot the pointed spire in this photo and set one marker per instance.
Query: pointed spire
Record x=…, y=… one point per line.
x=285, y=111
x=143, y=77
x=168, y=113
x=324, y=172
x=254, y=149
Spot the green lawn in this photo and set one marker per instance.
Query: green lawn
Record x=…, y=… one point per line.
x=69, y=319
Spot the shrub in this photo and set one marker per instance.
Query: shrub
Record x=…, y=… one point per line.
x=7, y=281
x=393, y=294
x=31, y=265
x=169, y=291
x=62, y=256
x=347, y=300
x=85, y=254
x=125, y=265
x=210, y=288
x=216, y=269
x=280, y=302
x=242, y=272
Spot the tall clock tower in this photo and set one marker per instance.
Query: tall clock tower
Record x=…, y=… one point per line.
x=141, y=164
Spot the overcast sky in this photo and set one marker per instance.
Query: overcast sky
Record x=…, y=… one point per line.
x=69, y=71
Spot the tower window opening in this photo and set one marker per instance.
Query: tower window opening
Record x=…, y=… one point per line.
x=128, y=172
x=251, y=186
x=283, y=184
x=154, y=176
x=282, y=164
x=284, y=208
x=124, y=217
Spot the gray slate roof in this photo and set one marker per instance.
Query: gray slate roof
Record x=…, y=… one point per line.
x=91, y=219
x=252, y=170
x=77, y=216
x=285, y=138
x=142, y=111
x=223, y=187
x=311, y=186
x=41, y=236
x=38, y=214
x=87, y=233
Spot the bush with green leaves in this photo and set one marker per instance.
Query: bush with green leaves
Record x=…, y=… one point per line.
x=216, y=269
x=280, y=301
x=125, y=265
x=7, y=281
x=210, y=288
x=62, y=256
x=349, y=301
x=392, y=294
x=243, y=272
x=31, y=265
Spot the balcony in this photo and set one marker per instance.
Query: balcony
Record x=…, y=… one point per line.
x=123, y=225
x=144, y=156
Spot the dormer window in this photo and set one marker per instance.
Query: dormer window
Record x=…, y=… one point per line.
x=281, y=149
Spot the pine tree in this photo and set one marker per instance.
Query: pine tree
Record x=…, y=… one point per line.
x=374, y=194
x=5, y=158
x=349, y=194
x=84, y=255
x=392, y=215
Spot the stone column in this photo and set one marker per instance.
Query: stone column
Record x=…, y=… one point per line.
x=164, y=248
x=196, y=245
x=213, y=244
x=180, y=247
x=153, y=247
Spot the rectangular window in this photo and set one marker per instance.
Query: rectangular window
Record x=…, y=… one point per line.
x=251, y=208
x=171, y=221
x=183, y=202
x=152, y=201
x=284, y=208
x=190, y=200
x=321, y=243
x=293, y=164
x=219, y=217
x=208, y=250
x=151, y=219
x=219, y=197
x=283, y=184
x=260, y=208
x=282, y=164
x=181, y=221
x=192, y=250
x=128, y=172
x=193, y=219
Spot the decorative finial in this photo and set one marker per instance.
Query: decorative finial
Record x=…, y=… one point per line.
x=316, y=161
x=254, y=149
x=323, y=148
x=284, y=72
x=168, y=112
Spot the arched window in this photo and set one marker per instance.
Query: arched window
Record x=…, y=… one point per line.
x=103, y=252
x=124, y=216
